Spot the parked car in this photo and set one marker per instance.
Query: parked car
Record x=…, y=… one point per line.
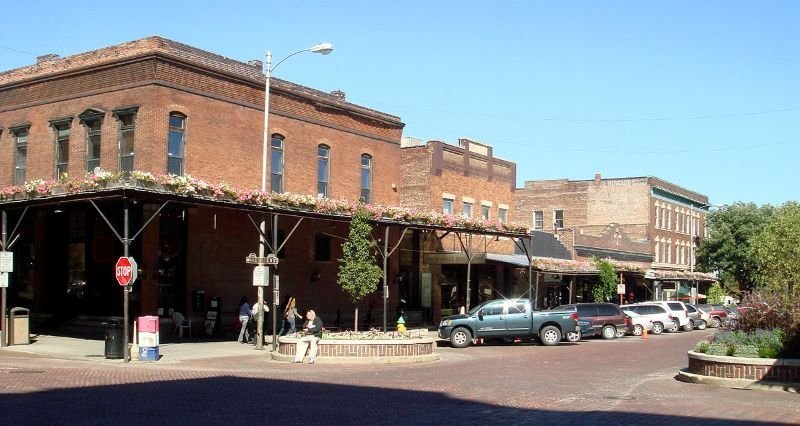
x=604, y=319
x=679, y=313
x=639, y=322
x=662, y=319
x=719, y=316
x=698, y=317
x=507, y=319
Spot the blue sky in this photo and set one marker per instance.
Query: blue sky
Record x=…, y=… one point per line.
x=703, y=94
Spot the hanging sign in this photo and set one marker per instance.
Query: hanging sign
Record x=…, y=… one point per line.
x=6, y=261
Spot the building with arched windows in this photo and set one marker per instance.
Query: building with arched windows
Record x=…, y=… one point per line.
x=159, y=106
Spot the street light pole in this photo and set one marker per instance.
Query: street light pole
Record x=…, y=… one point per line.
x=323, y=49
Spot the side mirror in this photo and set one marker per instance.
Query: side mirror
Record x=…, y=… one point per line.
x=480, y=315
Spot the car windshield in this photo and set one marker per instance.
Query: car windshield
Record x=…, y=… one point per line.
x=630, y=313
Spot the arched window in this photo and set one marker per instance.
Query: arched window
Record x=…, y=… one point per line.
x=276, y=163
x=175, y=144
x=366, y=178
x=323, y=170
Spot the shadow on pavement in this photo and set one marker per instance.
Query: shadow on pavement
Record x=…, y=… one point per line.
x=266, y=401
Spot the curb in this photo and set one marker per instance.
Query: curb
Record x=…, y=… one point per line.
x=362, y=361
x=688, y=377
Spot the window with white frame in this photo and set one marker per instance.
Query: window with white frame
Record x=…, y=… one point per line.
x=658, y=216
x=669, y=219
x=501, y=215
x=466, y=211
x=657, y=248
x=485, y=212
x=538, y=219
x=669, y=251
x=663, y=218
x=558, y=219
x=62, y=128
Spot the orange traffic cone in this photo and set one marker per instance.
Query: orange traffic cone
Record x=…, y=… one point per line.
x=644, y=333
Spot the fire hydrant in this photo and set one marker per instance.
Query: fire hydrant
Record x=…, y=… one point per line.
x=401, y=324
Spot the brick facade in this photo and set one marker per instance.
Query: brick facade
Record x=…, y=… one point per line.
x=223, y=102
x=612, y=214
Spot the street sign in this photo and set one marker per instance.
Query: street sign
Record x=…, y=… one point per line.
x=252, y=259
x=260, y=276
x=6, y=261
x=277, y=282
x=126, y=271
x=620, y=288
x=4, y=279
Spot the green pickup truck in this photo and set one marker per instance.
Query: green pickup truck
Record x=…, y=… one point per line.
x=507, y=319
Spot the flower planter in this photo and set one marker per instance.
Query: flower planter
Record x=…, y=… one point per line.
x=755, y=369
x=383, y=351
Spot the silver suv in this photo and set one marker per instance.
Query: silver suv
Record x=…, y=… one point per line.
x=679, y=313
x=662, y=319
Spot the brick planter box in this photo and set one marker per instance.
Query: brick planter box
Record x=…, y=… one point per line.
x=760, y=369
x=364, y=351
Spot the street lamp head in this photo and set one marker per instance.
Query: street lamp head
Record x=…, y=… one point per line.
x=322, y=48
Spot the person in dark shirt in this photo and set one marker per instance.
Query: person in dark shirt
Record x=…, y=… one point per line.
x=312, y=332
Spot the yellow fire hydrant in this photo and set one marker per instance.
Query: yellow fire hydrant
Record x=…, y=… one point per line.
x=401, y=324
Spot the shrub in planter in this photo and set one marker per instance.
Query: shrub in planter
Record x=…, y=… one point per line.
x=701, y=347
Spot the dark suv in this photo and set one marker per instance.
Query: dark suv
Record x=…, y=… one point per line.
x=605, y=319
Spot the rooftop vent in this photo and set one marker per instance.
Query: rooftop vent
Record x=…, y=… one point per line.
x=256, y=63
x=47, y=58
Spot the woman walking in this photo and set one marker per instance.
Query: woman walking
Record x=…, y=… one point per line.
x=290, y=315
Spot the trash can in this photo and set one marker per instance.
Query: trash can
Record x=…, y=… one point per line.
x=19, y=330
x=114, y=337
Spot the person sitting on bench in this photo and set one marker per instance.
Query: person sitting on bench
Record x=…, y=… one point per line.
x=312, y=332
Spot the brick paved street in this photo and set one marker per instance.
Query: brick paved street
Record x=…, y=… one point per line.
x=520, y=384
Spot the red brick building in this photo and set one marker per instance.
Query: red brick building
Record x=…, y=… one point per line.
x=643, y=221
x=464, y=180
x=160, y=106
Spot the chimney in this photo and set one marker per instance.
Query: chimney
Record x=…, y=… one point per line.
x=597, y=178
x=338, y=94
x=256, y=63
x=47, y=58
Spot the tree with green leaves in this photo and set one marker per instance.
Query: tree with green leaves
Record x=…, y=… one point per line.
x=715, y=294
x=358, y=271
x=776, y=251
x=606, y=286
x=728, y=249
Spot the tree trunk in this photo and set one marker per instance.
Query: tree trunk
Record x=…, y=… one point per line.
x=355, y=325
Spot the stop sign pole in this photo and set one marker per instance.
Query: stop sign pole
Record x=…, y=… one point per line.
x=126, y=243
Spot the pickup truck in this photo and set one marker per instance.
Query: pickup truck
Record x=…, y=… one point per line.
x=507, y=319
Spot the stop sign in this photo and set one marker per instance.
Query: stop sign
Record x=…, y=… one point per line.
x=125, y=271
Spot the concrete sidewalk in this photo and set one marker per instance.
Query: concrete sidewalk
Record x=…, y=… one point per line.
x=59, y=347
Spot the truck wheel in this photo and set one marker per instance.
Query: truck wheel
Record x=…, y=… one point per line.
x=702, y=325
x=609, y=332
x=550, y=335
x=637, y=330
x=689, y=326
x=658, y=328
x=460, y=338
x=573, y=336
x=715, y=322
